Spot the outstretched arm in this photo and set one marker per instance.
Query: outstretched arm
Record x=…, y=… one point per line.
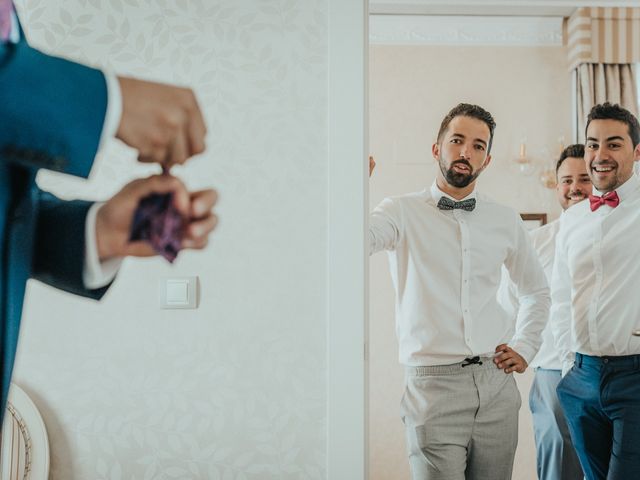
x=55, y=113
x=53, y=110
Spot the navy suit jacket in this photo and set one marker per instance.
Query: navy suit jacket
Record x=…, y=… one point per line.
x=51, y=116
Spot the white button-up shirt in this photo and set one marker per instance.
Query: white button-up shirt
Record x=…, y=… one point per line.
x=446, y=269
x=544, y=241
x=596, y=278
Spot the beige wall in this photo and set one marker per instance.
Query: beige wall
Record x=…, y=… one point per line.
x=527, y=89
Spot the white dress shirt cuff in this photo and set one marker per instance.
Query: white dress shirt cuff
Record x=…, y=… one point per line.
x=96, y=274
x=568, y=359
x=114, y=108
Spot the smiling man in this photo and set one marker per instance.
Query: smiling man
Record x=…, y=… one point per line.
x=447, y=246
x=596, y=305
x=574, y=183
x=555, y=456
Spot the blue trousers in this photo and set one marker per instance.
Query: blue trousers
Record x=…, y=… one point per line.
x=556, y=458
x=600, y=397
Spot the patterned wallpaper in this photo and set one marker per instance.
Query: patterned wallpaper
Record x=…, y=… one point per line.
x=235, y=390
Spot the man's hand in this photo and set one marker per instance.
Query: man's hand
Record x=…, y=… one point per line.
x=372, y=164
x=113, y=220
x=163, y=122
x=509, y=360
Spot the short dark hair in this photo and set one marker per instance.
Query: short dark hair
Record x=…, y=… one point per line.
x=607, y=111
x=469, y=110
x=576, y=150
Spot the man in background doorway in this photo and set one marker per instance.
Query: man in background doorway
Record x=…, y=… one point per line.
x=556, y=458
x=447, y=245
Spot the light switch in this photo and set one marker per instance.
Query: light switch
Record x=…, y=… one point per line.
x=178, y=292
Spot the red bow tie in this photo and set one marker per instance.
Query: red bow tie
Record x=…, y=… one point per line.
x=609, y=198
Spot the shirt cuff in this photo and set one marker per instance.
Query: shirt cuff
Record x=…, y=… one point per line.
x=96, y=274
x=114, y=108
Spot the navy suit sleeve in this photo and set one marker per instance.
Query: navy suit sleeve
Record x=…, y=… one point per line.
x=54, y=110
x=60, y=245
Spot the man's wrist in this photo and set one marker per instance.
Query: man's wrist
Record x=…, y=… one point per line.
x=101, y=234
x=97, y=272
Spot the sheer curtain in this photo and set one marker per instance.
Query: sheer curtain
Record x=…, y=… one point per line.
x=599, y=82
x=603, y=48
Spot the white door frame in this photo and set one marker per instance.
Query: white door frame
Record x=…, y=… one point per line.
x=348, y=262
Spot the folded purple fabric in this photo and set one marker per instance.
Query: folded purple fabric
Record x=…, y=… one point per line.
x=157, y=221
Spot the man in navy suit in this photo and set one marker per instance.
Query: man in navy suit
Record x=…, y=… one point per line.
x=54, y=115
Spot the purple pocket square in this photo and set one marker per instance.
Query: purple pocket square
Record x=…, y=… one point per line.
x=157, y=221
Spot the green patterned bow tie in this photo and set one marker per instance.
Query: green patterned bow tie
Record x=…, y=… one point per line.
x=447, y=204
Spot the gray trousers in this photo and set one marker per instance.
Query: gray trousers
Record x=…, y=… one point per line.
x=461, y=422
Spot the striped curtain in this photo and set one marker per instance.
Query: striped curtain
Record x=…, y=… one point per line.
x=604, y=45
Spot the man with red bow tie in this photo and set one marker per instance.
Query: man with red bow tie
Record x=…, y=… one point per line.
x=596, y=302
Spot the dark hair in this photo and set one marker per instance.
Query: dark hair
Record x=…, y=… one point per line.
x=607, y=111
x=468, y=110
x=575, y=150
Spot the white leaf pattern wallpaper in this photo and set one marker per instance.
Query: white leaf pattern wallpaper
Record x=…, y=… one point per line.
x=236, y=389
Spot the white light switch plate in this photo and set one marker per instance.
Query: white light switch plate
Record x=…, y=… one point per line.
x=178, y=292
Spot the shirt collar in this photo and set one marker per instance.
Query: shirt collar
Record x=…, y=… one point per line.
x=437, y=194
x=624, y=191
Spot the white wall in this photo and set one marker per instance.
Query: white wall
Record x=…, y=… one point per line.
x=237, y=388
x=411, y=90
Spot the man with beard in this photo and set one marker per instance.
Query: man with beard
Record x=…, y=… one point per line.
x=447, y=246
x=596, y=306
x=555, y=455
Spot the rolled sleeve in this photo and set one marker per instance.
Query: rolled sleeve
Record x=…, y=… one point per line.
x=534, y=299
x=384, y=227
